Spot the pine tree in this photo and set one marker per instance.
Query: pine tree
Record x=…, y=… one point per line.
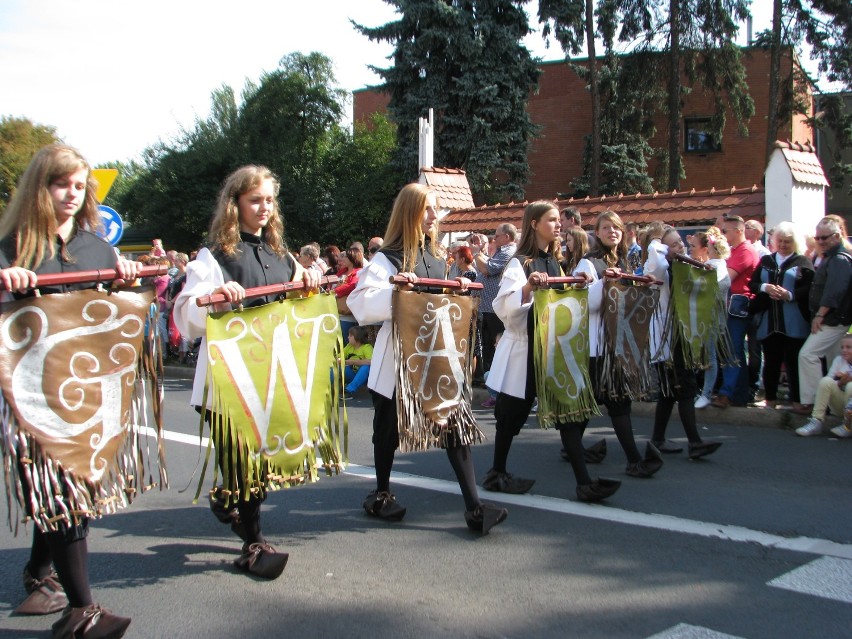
x=465, y=60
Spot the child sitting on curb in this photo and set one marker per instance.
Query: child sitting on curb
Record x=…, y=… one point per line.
x=834, y=392
x=357, y=348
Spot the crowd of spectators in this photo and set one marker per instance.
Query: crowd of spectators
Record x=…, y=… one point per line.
x=788, y=304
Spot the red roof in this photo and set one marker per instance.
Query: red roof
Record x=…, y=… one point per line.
x=451, y=186
x=803, y=162
x=692, y=208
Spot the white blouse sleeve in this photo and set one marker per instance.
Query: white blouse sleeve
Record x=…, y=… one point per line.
x=203, y=276
x=370, y=301
x=508, y=304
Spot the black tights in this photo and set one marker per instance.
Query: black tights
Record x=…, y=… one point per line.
x=623, y=428
x=250, y=517
x=572, y=442
x=70, y=556
x=686, y=410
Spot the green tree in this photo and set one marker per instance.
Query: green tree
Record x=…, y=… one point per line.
x=365, y=180
x=464, y=59
x=288, y=121
x=826, y=25
x=20, y=138
x=572, y=23
x=697, y=39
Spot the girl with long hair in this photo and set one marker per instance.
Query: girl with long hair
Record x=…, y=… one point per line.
x=408, y=250
x=608, y=260
x=677, y=382
x=246, y=250
x=49, y=227
x=513, y=372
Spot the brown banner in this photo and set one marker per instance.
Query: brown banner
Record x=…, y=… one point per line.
x=433, y=341
x=69, y=366
x=627, y=312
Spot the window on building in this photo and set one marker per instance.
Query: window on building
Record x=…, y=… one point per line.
x=698, y=138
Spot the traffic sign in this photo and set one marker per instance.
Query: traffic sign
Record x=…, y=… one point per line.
x=105, y=178
x=113, y=224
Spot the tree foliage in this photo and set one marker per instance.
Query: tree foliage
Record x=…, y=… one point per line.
x=20, y=138
x=464, y=59
x=826, y=25
x=289, y=121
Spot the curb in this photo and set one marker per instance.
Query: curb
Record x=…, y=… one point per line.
x=762, y=417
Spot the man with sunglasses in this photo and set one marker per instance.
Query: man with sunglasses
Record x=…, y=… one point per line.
x=829, y=302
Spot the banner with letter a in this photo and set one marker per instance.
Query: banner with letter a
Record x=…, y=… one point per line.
x=433, y=338
x=75, y=373
x=561, y=352
x=272, y=392
x=626, y=314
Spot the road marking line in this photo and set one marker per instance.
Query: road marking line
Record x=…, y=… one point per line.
x=685, y=631
x=827, y=577
x=669, y=523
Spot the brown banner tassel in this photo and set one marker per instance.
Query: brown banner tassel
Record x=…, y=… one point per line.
x=433, y=337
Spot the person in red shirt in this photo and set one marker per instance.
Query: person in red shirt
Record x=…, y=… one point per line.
x=741, y=264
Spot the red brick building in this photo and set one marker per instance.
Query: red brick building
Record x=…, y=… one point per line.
x=562, y=107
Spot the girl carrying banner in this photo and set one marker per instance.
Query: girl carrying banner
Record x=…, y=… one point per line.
x=47, y=228
x=517, y=366
x=408, y=251
x=604, y=265
x=247, y=250
x=677, y=380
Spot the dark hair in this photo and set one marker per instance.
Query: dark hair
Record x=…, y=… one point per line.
x=356, y=256
x=360, y=333
x=330, y=253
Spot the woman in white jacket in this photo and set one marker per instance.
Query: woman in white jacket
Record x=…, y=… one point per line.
x=677, y=383
x=512, y=373
x=407, y=251
x=247, y=250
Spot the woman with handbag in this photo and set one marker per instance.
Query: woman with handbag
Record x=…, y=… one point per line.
x=780, y=284
x=349, y=265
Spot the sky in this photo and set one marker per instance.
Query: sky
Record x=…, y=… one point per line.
x=114, y=77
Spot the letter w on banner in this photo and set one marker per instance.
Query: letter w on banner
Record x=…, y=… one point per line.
x=273, y=403
x=627, y=311
x=561, y=352
x=73, y=409
x=433, y=339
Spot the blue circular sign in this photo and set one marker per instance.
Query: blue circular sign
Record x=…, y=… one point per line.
x=113, y=225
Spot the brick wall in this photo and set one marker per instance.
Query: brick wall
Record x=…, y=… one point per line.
x=562, y=107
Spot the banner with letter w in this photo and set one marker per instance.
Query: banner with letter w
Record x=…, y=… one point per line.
x=272, y=392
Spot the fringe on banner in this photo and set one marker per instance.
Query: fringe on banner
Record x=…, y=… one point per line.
x=554, y=404
x=51, y=496
x=419, y=432
x=245, y=472
x=618, y=377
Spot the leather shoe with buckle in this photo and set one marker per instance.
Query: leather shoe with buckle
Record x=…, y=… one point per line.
x=383, y=504
x=599, y=489
x=506, y=483
x=484, y=517
x=262, y=560
x=44, y=596
x=89, y=622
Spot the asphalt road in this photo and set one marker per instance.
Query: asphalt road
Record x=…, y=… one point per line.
x=755, y=542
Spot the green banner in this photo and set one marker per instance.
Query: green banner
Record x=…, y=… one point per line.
x=561, y=352
x=698, y=312
x=274, y=374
